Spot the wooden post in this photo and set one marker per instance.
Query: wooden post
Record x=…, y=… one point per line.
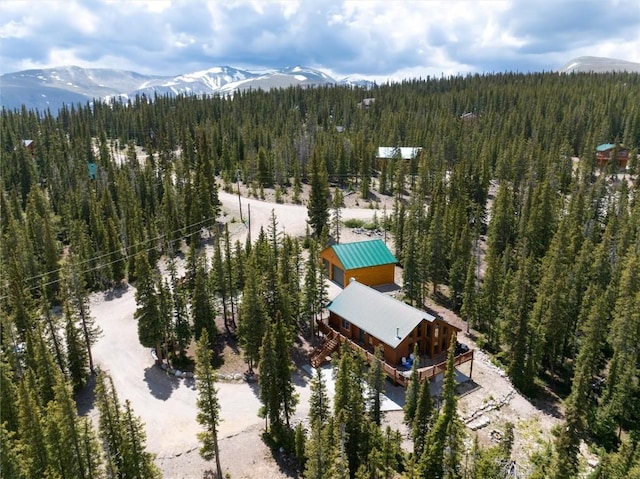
x=249, y=219
x=239, y=197
x=471, y=368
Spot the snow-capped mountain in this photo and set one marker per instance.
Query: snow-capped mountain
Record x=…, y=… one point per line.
x=599, y=65
x=53, y=87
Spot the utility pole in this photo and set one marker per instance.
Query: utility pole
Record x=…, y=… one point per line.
x=239, y=197
x=249, y=212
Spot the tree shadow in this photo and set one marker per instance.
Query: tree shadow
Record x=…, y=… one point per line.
x=546, y=401
x=190, y=383
x=467, y=387
x=285, y=460
x=300, y=379
x=116, y=292
x=160, y=383
x=387, y=288
x=224, y=338
x=86, y=397
x=255, y=388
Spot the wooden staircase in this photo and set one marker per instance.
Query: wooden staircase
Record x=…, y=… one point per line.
x=319, y=355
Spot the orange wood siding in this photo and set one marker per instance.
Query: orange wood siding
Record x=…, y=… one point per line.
x=372, y=276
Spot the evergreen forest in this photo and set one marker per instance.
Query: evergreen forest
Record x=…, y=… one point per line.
x=504, y=216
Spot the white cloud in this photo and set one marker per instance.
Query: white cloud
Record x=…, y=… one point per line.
x=14, y=29
x=379, y=39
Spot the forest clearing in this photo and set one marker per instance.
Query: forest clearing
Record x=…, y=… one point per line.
x=167, y=404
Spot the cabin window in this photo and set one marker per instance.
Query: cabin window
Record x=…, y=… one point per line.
x=419, y=330
x=436, y=331
x=346, y=324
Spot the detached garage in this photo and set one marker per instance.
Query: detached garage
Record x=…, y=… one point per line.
x=369, y=262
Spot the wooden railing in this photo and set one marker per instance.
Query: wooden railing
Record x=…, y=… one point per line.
x=319, y=355
x=335, y=338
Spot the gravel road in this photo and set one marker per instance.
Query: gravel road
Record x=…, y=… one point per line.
x=167, y=404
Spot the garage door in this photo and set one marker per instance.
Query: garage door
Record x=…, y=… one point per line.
x=338, y=275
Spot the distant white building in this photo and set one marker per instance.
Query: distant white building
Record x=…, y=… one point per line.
x=404, y=152
x=366, y=102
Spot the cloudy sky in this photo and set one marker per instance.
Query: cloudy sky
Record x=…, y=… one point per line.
x=380, y=40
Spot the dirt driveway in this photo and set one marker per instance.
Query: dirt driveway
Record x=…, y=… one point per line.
x=167, y=404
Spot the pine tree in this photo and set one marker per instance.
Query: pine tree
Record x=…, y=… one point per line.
x=491, y=463
x=208, y=406
x=618, y=407
x=489, y=302
x=318, y=206
x=31, y=429
x=311, y=287
x=375, y=388
x=319, y=449
x=336, y=215
x=577, y=405
x=252, y=321
x=434, y=251
x=413, y=390
x=150, y=324
x=202, y=307
x=72, y=446
x=52, y=329
x=349, y=408
x=9, y=396
x=410, y=273
x=269, y=396
x=551, y=311
x=524, y=340
x=422, y=419
x=219, y=282
x=12, y=462
x=319, y=400
x=140, y=461
x=443, y=447
x=122, y=435
x=300, y=441
x=76, y=354
x=79, y=300
x=284, y=368
x=181, y=326
x=469, y=309
x=44, y=372
x=231, y=277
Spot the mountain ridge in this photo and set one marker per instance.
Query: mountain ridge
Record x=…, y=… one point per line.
x=590, y=64
x=50, y=88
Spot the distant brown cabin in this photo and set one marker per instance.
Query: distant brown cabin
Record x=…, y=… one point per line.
x=604, y=154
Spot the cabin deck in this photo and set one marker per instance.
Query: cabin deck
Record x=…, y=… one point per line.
x=428, y=367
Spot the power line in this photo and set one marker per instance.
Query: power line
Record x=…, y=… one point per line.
x=104, y=265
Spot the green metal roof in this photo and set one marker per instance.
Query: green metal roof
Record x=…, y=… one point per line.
x=378, y=314
x=362, y=254
x=604, y=147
